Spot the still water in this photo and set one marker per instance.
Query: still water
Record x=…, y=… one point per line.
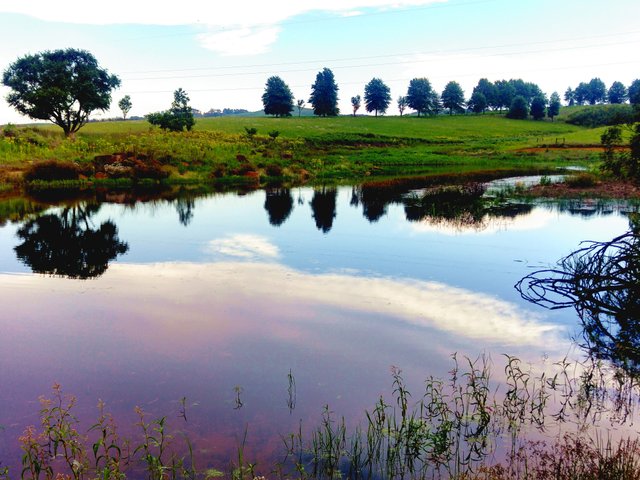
x=219, y=298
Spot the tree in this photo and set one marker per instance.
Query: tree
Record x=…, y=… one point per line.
x=554, y=106
x=505, y=91
x=377, y=96
x=453, y=97
x=597, y=92
x=61, y=86
x=489, y=91
x=402, y=104
x=356, y=103
x=435, y=105
x=538, y=108
x=277, y=98
x=570, y=97
x=617, y=93
x=477, y=103
x=581, y=93
x=301, y=103
x=419, y=95
x=125, y=105
x=634, y=92
x=324, y=94
x=178, y=117
x=519, y=109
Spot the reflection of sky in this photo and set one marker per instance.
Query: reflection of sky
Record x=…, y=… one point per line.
x=232, y=300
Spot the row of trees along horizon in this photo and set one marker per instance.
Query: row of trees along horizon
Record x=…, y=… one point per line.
x=65, y=86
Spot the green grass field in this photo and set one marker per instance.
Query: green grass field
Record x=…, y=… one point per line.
x=340, y=148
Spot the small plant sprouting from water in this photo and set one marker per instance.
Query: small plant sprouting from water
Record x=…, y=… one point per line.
x=238, y=400
x=545, y=181
x=291, y=391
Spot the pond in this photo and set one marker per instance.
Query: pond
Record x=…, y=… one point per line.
x=248, y=313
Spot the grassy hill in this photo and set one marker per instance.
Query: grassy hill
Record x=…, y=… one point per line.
x=338, y=148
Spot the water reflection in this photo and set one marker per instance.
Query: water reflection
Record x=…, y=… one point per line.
x=68, y=244
x=323, y=205
x=278, y=203
x=601, y=281
x=184, y=207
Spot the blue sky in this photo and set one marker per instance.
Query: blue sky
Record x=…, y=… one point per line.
x=222, y=53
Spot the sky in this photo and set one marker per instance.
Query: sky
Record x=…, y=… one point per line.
x=222, y=53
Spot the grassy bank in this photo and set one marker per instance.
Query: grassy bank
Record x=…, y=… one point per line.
x=304, y=149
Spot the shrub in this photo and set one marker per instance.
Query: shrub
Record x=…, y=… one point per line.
x=274, y=170
x=602, y=115
x=519, y=109
x=149, y=170
x=243, y=169
x=581, y=180
x=52, y=170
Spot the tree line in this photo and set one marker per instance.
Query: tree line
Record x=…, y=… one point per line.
x=518, y=98
x=65, y=86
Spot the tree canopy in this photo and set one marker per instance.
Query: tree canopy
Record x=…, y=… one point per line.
x=617, y=93
x=554, y=106
x=178, y=117
x=477, y=103
x=60, y=86
x=453, y=97
x=597, y=92
x=420, y=95
x=277, y=98
x=377, y=96
x=538, y=107
x=519, y=109
x=488, y=89
x=634, y=92
x=402, y=104
x=324, y=94
x=125, y=105
x=356, y=103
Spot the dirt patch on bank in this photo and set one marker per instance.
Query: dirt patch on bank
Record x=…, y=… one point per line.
x=572, y=148
x=602, y=189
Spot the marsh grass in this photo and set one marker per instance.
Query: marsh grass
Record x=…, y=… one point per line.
x=475, y=424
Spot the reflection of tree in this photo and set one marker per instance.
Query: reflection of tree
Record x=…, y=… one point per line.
x=278, y=203
x=184, y=207
x=323, y=205
x=460, y=206
x=374, y=201
x=67, y=244
x=462, y=203
x=602, y=282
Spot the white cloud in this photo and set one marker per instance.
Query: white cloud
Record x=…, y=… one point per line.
x=242, y=41
x=193, y=12
x=231, y=28
x=244, y=246
x=296, y=297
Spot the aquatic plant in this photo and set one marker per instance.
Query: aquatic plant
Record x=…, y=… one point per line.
x=454, y=429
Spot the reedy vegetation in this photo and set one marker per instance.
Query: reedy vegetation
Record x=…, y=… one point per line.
x=454, y=429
